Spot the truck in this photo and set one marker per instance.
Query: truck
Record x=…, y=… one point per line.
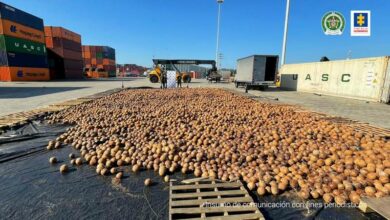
x=256, y=71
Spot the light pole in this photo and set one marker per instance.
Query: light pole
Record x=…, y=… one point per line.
x=218, y=23
x=220, y=57
x=285, y=32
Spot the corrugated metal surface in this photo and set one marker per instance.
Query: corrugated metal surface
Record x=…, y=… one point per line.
x=62, y=33
x=14, y=29
x=65, y=53
x=256, y=68
x=99, y=56
x=23, y=74
x=13, y=14
x=12, y=44
x=22, y=60
x=259, y=63
x=55, y=42
x=358, y=78
x=245, y=69
x=73, y=64
x=385, y=97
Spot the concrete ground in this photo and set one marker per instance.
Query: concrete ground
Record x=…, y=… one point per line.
x=22, y=96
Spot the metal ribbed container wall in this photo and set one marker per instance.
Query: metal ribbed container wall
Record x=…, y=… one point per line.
x=65, y=54
x=365, y=79
x=13, y=14
x=256, y=68
x=23, y=55
x=22, y=60
x=102, y=57
x=17, y=45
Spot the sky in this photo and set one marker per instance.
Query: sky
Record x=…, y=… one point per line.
x=141, y=30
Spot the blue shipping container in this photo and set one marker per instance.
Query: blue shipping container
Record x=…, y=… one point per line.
x=22, y=60
x=21, y=17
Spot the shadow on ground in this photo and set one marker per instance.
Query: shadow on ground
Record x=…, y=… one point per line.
x=26, y=92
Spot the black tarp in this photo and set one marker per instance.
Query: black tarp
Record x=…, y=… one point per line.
x=32, y=188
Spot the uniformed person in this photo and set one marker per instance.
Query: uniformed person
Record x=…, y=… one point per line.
x=179, y=80
x=164, y=80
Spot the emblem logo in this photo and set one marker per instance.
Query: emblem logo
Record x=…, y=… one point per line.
x=13, y=28
x=333, y=23
x=360, y=23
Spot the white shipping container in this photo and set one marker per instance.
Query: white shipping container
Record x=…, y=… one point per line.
x=366, y=79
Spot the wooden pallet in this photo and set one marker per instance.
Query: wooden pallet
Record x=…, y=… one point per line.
x=379, y=205
x=189, y=201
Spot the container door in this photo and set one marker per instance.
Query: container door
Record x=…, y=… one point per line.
x=270, y=68
x=259, y=66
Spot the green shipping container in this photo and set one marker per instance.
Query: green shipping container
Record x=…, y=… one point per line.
x=17, y=45
x=99, y=55
x=112, y=74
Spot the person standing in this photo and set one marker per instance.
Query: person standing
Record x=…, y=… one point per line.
x=179, y=80
x=164, y=80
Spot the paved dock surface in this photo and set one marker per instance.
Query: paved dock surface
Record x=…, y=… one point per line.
x=23, y=96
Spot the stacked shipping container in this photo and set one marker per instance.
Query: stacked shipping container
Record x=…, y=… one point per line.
x=130, y=69
x=100, y=57
x=64, y=53
x=23, y=53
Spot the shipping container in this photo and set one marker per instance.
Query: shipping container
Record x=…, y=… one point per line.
x=17, y=45
x=102, y=57
x=22, y=60
x=256, y=70
x=99, y=55
x=13, y=29
x=61, y=68
x=74, y=73
x=67, y=54
x=13, y=14
x=366, y=79
x=23, y=74
x=73, y=64
x=63, y=33
x=87, y=61
x=53, y=42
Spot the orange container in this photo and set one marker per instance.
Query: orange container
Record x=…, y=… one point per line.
x=106, y=61
x=93, y=61
x=49, y=42
x=23, y=74
x=62, y=33
x=48, y=32
x=86, y=49
x=97, y=75
x=87, y=55
x=20, y=31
